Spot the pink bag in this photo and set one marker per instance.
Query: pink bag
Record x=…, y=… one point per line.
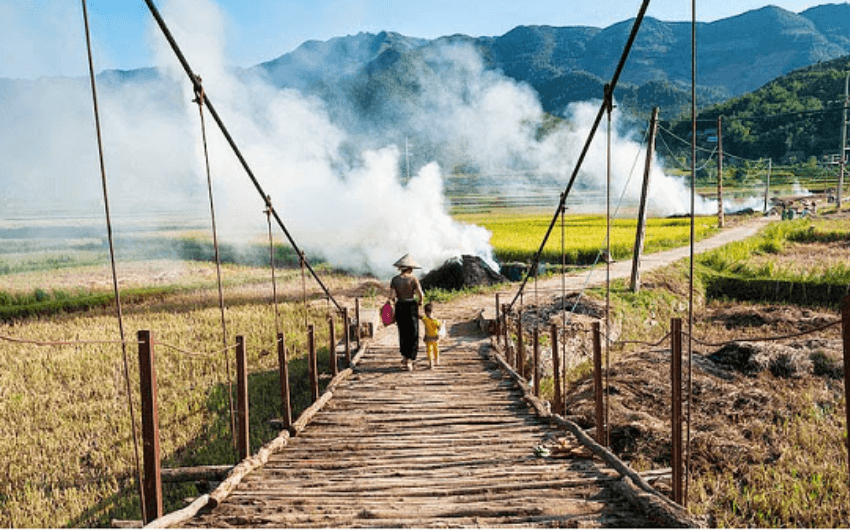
x=387, y=314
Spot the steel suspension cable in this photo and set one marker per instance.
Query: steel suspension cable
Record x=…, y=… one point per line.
x=609, y=89
x=691, y=274
x=110, y=238
x=196, y=83
x=199, y=92
x=609, y=110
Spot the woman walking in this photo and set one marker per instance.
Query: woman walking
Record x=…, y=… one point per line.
x=407, y=294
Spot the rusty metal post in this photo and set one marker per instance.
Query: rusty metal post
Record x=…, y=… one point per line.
x=520, y=350
x=357, y=319
x=243, y=442
x=601, y=439
x=536, y=368
x=313, y=366
x=845, y=332
x=332, y=360
x=676, y=383
x=283, y=367
x=556, y=370
x=505, y=331
x=152, y=485
x=498, y=321
x=346, y=322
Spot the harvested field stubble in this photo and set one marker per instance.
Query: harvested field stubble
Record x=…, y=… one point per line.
x=65, y=431
x=767, y=418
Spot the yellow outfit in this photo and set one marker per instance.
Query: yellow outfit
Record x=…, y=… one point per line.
x=432, y=338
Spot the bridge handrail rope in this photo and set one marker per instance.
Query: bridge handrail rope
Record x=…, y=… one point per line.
x=266, y=198
x=63, y=342
x=602, y=109
x=701, y=342
x=166, y=345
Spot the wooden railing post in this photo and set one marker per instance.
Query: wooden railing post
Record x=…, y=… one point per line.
x=506, y=332
x=498, y=321
x=845, y=332
x=676, y=394
x=601, y=438
x=346, y=322
x=520, y=352
x=556, y=370
x=332, y=360
x=152, y=484
x=283, y=367
x=535, y=370
x=357, y=319
x=242, y=439
x=313, y=364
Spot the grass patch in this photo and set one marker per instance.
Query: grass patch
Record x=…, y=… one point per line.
x=757, y=270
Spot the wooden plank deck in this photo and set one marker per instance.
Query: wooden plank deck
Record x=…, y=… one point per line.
x=448, y=447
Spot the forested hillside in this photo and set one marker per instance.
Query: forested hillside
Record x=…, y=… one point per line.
x=791, y=119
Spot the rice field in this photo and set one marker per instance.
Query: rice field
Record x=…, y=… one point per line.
x=517, y=236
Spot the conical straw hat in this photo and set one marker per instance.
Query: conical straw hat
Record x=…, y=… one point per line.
x=406, y=261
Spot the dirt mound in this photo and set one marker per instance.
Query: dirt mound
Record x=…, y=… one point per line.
x=457, y=273
x=751, y=358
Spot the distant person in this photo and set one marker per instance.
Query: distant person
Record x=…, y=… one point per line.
x=432, y=335
x=404, y=290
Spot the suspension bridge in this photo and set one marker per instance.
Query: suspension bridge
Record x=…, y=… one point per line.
x=467, y=443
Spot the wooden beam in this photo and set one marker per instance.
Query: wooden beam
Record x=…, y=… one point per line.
x=194, y=473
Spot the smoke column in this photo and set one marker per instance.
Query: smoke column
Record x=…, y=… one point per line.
x=334, y=170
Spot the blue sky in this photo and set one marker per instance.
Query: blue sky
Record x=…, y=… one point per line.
x=44, y=37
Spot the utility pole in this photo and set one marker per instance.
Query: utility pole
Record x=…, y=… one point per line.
x=767, y=185
x=641, y=222
x=843, y=160
x=720, y=218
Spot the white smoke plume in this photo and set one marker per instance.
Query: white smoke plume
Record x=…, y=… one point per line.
x=334, y=172
x=353, y=211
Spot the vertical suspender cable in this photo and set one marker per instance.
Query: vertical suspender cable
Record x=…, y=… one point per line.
x=199, y=92
x=112, y=260
x=691, y=275
x=268, y=213
x=563, y=299
x=303, y=289
x=610, y=107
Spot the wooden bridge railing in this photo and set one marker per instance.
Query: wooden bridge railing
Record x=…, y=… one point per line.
x=509, y=330
x=153, y=473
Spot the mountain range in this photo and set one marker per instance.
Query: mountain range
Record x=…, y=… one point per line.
x=566, y=64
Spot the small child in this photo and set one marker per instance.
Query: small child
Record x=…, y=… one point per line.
x=432, y=335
